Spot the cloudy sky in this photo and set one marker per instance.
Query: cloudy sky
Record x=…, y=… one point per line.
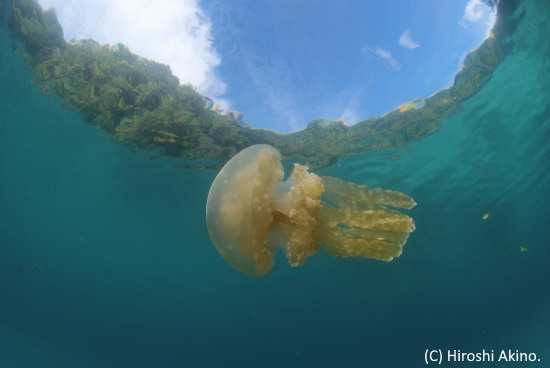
x=284, y=63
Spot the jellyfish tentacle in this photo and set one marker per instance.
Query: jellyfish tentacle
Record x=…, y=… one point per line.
x=334, y=241
x=358, y=196
x=355, y=222
x=388, y=236
x=381, y=219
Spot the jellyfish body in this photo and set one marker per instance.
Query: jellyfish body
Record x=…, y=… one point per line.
x=251, y=212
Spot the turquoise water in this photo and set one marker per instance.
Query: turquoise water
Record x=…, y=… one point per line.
x=129, y=278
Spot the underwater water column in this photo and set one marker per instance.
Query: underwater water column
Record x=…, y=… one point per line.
x=105, y=258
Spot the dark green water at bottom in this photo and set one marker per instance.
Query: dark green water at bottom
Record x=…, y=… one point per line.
x=128, y=276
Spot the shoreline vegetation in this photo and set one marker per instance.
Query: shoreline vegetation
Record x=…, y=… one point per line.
x=141, y=104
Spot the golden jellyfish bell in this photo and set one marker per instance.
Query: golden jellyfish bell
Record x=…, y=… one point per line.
x=251, y=212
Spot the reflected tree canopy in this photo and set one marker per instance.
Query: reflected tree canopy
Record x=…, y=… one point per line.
x=139, y=102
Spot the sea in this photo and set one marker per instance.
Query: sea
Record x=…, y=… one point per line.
x=105, y=259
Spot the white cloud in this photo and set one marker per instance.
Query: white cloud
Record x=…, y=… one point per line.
x=478, y=19
x=350, y=116
x=406, y=41
x=272, y=80
x=384, y=55
x=173, y=32
x=476, y=12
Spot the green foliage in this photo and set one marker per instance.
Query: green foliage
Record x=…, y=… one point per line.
x=139, y=101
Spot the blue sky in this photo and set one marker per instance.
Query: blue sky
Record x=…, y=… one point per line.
x=284, y=63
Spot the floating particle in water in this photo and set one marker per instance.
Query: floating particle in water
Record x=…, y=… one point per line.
x=486, y=215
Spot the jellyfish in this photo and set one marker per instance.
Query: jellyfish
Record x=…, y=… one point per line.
x=251, y=212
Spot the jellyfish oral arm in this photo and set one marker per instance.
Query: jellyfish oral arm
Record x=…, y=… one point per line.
x=358, y=223
x=326, y=214
x=294, y=203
